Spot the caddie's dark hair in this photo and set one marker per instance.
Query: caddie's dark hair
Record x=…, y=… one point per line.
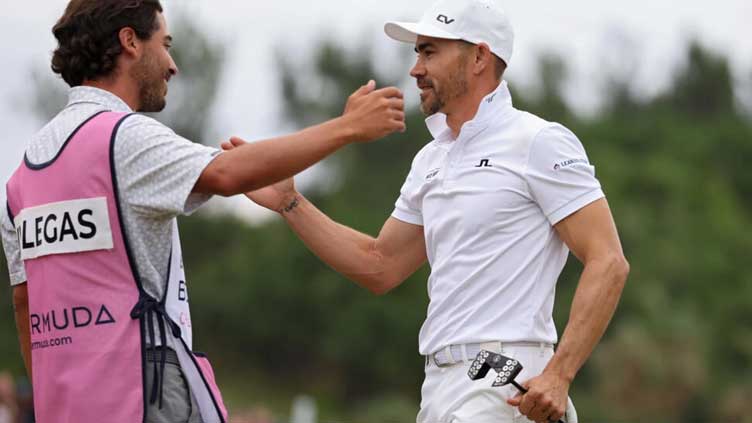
x=88, y=35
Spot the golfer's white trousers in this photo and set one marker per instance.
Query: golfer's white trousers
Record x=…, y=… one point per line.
x=449, y=396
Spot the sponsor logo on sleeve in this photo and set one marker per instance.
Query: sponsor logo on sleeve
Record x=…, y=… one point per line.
x=570, y=162
x=65, y=227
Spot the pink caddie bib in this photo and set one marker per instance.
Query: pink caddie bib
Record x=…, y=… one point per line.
x=88, y=312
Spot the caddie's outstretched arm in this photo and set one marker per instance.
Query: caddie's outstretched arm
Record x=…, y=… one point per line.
x=370, y=114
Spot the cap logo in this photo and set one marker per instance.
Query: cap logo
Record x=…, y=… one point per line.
x=444, y=19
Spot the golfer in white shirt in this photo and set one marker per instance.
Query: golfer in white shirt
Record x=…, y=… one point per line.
x=494, y=203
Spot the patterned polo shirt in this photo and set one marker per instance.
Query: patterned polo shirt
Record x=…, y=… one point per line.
x=156, y=170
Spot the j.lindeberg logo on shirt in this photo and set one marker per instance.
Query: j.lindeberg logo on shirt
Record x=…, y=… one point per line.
x=569, y=162
x=484, y=163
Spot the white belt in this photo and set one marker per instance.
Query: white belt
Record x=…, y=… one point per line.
x=453, y=354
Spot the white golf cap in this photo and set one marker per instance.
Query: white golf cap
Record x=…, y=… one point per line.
x=474, y=21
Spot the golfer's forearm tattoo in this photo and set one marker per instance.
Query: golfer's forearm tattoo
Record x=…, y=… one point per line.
x=290, y=207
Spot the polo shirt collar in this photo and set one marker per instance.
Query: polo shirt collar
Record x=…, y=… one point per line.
x=110, y=101
x=492, y=105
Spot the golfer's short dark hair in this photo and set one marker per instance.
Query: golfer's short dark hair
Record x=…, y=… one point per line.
x=88, y=35
x=500, y=66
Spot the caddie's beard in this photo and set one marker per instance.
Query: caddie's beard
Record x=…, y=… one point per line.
x=152, y=84
x=454, y=87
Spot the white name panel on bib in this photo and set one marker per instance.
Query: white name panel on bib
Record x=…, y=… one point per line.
x=66, y=227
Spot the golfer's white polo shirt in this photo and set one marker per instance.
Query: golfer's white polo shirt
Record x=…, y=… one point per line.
x=488, y=202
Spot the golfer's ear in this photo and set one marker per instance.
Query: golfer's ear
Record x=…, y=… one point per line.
x=483, y=58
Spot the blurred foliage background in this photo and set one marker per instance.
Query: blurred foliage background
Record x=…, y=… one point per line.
x=278, y=323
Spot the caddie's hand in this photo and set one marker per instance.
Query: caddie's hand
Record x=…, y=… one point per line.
x=274, y=197
x=545, y=400
x=373, y=114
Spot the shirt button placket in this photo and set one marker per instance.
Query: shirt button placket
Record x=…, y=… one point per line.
x=457, y=153
x=449, y=164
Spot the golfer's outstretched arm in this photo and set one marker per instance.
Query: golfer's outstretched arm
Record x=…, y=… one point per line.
x=378, y=264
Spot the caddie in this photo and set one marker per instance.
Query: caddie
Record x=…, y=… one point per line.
x=90, y=230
